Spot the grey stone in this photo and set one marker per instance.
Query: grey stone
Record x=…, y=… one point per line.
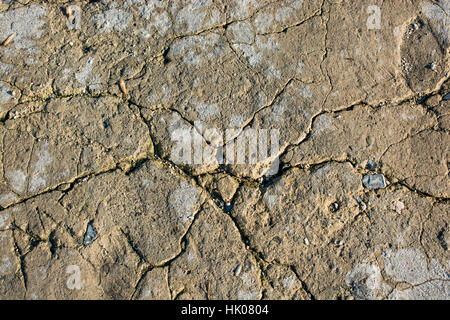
x=90, y=234
x=374, y=181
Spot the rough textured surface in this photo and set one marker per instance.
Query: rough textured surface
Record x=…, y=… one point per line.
x=94, y=203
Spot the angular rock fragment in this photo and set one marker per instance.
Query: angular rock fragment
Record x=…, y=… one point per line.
x=213, y=237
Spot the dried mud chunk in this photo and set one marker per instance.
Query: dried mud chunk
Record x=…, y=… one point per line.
x=293, y=53
x=151, y=206
x=337, y=84
x=371, y=165
x=363, y=62
x=360, y=134
x=291, y=113
x=7, y=99
x=206, y=270
x=8, y=261
x=436, y=232
x=11, y=279
x=282, y=283
x=364, y=281
x=395, y=237
x=4, y=220
x=70, y=138
x=431, y=290
x=63, y=274
x=423, y=56
x=202, y=92
x=406, y=265
x=444, y=122
x=429, y=280
x=357, y=266
x=164, y=126
x=32, y=218
x=221, y=186
x=295, y=207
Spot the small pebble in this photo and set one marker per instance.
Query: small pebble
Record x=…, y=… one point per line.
x=371, y=165
x=398, y=206
x=90, y=234
x=374, y=181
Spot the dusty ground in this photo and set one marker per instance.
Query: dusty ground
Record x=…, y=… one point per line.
x=94, y=205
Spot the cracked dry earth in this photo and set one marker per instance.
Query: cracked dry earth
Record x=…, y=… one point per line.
x=89, y=188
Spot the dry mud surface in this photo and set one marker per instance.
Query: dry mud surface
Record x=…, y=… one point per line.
x=95, y=205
